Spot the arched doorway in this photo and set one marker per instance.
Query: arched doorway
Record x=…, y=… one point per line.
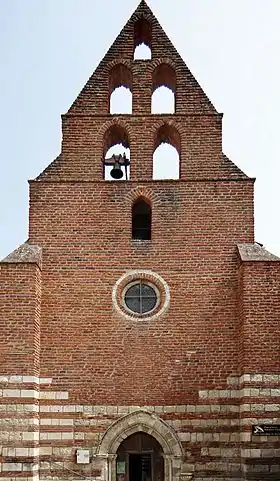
x=164, y=445
x=140, y=458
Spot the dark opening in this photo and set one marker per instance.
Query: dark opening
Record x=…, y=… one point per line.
x=140, y=467
x=141, y=220
x=142, y=38
x=140, y=458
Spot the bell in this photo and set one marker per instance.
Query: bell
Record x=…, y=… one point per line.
x=116, y=171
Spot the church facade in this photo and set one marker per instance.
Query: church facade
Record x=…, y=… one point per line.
x=140, y=331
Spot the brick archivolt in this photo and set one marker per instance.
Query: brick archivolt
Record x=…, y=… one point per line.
x=142, y=192
x=118, y=131
x=140, y=421
x=162, y=71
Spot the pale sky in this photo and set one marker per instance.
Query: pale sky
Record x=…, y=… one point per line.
x=49, y=48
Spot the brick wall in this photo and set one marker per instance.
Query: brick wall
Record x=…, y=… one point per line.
x=85, y=343
x=20, y=291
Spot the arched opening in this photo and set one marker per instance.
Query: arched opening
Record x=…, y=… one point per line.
x=163, y=101
x=120, y=90
x=121, y=101
x=135, y=423
x=164, y=90
x=116, y=143
x=142, y=40
x=142, y=52
x=141, y=220
x=166, y=158
x=140, y=458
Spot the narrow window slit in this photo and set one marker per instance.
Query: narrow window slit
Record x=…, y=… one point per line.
x=141, y=220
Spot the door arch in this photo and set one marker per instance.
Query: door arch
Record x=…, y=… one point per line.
x=140, y=458
x=144, y=422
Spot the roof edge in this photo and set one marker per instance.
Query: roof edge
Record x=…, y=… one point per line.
x=24, y=254
x=255, y=253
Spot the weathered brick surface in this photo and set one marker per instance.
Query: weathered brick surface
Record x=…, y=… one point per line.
x=84, y=257
x=260, y=328
x=20, y=299
x=76, y=370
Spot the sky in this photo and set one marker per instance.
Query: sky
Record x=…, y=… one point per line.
x=49, y=48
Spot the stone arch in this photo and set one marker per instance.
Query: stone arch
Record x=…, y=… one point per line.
x=145, y=422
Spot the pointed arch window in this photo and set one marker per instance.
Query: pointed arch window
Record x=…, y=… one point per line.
x=120, y=90
x=166, y=158
x=142, y=40
x=164, y=90
x=116, y=148
x=141, y=220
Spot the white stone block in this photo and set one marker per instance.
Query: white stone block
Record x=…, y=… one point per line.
x=44, y=409
x=21, y=452
x=45, y=450
x=69, y=408
x=56, y=409
x=223, y=393
x=66, y=422
x=47, y=395
x=30, y=379
x=275, y=392
x=256, y=378
x=255, y=453
x=11, y=466
x=11, y=392
x=184, y=436
x=15, y=379
x=29, y=393
x=272, y=407
x=54, y=436
x=68, y=435
x=245, y=437
x=45, y=421
x=55, y=422
x=30, y=436
x=203, y=394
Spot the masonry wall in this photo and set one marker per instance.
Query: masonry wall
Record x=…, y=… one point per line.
x=20, y=287
x=260, y=334
x=82, y=336
x=20, y=299
x=199, y=144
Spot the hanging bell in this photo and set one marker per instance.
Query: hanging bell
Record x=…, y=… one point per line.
x=116, y=171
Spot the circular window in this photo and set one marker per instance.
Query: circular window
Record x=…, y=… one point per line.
x=141, y=297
